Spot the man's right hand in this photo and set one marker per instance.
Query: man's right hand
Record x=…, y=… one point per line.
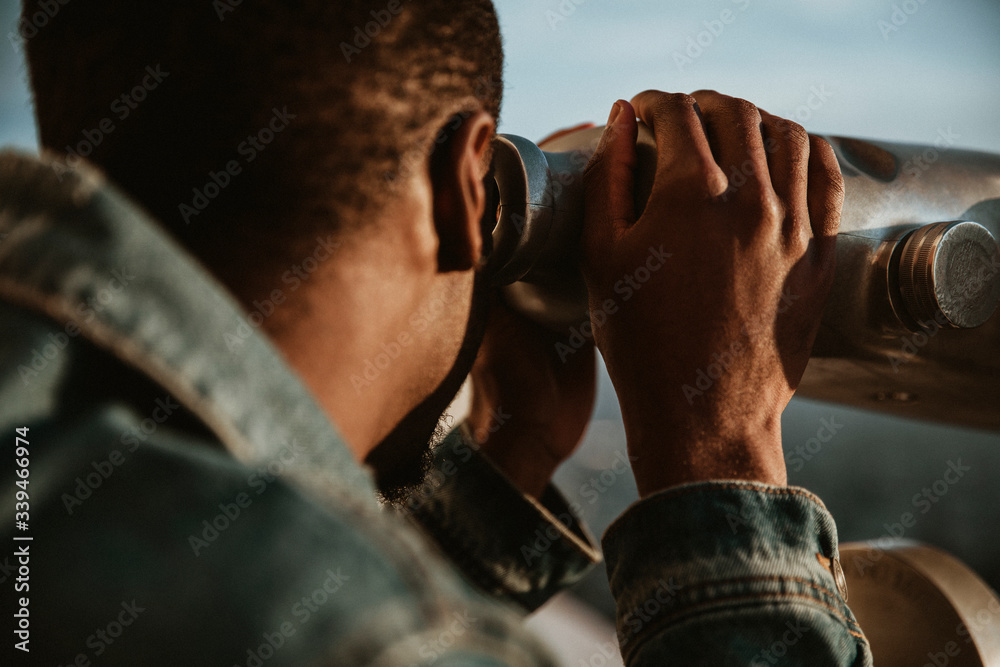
x=706, y=352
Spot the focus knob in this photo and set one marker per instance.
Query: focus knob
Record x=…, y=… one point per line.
x=950, y=270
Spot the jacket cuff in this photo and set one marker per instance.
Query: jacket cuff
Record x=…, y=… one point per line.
x=509, y=544
x=704, y=547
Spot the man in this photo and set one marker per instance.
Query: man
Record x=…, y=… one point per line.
x=320, y=167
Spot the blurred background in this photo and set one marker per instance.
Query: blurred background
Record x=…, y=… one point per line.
x=901, y=70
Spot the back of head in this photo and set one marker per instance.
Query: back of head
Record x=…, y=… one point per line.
x=248, y=127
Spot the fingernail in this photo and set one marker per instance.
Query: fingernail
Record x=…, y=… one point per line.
x=615, y=111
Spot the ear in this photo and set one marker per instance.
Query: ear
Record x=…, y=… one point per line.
x=457, y=170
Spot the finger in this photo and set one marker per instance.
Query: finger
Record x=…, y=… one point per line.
x=825, y=190
x=683, y=154
x=562, y=133
x=609, y=178
x=786, y=145
x=733, y=127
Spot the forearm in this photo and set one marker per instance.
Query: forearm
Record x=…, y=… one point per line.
x=521, y=458
x=699, y=455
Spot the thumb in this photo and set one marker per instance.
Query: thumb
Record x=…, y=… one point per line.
x=609, y=179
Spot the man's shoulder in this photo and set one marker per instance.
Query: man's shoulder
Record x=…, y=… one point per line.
x=165, y=519
x=163, y=537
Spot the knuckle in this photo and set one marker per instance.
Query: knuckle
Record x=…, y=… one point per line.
x=673, y=101
x=767, y=206
x=706, y=92
x=826, y=166
x=772, y=208
x=822, y=149
x=796, y=233
x=683, y=99
x=649, y=92
x=701, y=180
x=823, y=152
x=744, y=110
x=793, y=133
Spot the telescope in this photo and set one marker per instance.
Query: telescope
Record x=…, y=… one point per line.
x=910, y=326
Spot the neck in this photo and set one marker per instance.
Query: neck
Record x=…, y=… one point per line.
x=365, y=326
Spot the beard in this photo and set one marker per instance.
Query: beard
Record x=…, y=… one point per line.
x=402, y=459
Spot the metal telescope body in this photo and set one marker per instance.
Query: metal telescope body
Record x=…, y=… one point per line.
x=910, y=327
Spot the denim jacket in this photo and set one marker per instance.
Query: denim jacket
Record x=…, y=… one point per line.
x=188, y=503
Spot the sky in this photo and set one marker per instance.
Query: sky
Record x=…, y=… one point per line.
x=886, y=70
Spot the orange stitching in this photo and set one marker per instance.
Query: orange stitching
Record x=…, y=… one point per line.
x=811, y=584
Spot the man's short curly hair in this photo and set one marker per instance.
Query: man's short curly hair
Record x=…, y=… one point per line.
x=370, y=83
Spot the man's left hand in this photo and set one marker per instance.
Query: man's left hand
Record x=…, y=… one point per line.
x=530, y=408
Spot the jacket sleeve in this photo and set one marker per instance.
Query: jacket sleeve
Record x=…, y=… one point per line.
x=174, y=554
x=731, y=573
x=507, y=543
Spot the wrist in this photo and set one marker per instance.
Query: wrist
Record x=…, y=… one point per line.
x=521, y=456
x=677, y=456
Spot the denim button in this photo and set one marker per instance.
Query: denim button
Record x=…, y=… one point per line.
x=838, y=577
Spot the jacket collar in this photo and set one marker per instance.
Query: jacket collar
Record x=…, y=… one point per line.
x=77, y=250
